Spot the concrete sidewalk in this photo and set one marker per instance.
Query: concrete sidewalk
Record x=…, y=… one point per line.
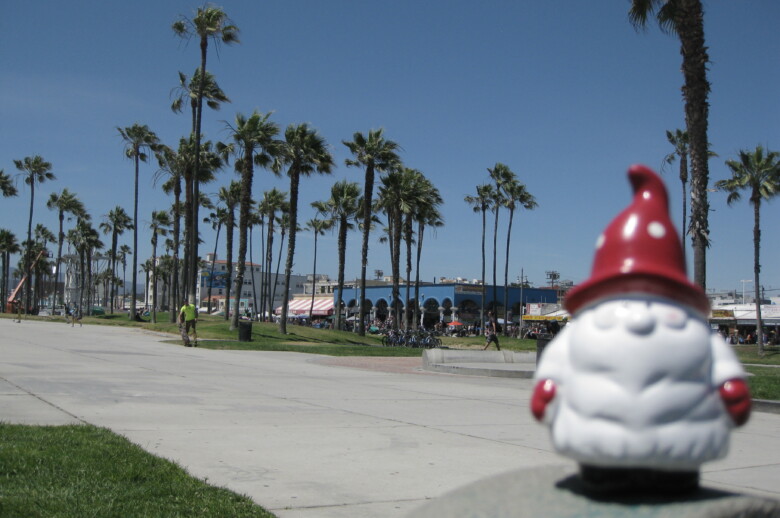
x=305, y=435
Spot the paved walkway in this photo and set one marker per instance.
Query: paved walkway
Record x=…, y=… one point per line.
x=303, y=435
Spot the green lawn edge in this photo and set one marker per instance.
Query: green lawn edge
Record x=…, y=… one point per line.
x=74, y=471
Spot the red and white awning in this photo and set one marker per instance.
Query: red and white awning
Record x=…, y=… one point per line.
x=322, y=307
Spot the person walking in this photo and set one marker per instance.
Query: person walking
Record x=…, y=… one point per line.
x=188, y=317
x=491, y=331
x=76, y=315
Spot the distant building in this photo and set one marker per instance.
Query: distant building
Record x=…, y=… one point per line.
x=446, y=302
x=250, y=291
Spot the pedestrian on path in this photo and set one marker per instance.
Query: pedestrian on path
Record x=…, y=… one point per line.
x=491, y=331
x=76, y=316
x=188, y=317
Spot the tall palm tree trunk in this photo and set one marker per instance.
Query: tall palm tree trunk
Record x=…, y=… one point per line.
x=135, y=244
x=229, y=263
x=243, y=222
x=395, y=239
x=278, y=264
x=174, y=304
x=368, y=191
x=757, y=271
x=420, y=230
x=254, y=286
x=690, y=27
x=342, y=262
x=506, y=273
x=154, y=282
x=482, y=307
x=313, y=276
x=28, y=262
x=213, y=263
x=195, y=181
x=61, y=238
x=683, y=176
x=294, y=182
x=495, y=249
x=409, y=320
x=269, y=301
x=185, y=268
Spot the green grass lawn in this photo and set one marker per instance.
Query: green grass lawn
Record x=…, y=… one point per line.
x=79, y=471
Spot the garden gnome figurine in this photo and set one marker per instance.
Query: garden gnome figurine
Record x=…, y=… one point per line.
x=637, y=389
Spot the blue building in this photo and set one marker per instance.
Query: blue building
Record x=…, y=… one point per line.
x=446, y=302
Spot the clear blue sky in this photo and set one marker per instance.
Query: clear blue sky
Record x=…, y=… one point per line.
x=568, y=95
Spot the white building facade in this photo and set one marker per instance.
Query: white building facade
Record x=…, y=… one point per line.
x=250, y=291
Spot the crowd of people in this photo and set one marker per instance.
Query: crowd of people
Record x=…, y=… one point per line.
x=746, y=337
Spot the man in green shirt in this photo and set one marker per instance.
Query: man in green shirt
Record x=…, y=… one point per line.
x=188, y=316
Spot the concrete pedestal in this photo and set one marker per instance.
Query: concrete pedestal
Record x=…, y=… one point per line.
x=556, y=492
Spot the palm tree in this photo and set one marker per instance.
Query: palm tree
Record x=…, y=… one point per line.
x=304, y=152
x=188, y=92
x=255, y=219
x=679, y=140
x=8, y=246
x=161, y=221
x=86, y=241
x=501, y=175
x=374, y=154
x=174, y=166
x=214, y=96
x=481, y=203
x=124, y=251
x=427, y=215
x=42, y=268
x=217, y=219
x=343, y=207
x=273, y=201
x=318, y=228
x=253, y=144
x=515, y=196
x=7, y=187
x=757, y=172
x=392, y=199
x=35, y=170
x=209, y=22
x=64, y=202
x=138, y=139
x=284, y=225
x=115, y=224
x=685, y=18
x=230, y=197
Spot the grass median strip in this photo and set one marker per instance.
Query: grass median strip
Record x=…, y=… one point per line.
x=81, y=470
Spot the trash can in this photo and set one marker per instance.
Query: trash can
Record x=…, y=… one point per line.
x=541, y=343
x=244, y=331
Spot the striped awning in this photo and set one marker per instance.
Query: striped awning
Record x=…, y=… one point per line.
x=322, y=307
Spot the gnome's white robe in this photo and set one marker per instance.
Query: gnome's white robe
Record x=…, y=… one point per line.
x=637, y=386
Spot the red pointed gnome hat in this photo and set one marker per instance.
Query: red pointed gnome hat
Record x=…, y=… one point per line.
x=640, y=252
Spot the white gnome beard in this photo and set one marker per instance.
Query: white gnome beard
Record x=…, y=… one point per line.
x=635, y=388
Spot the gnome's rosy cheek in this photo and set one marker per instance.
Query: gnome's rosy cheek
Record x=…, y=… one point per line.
x=674, y=318
x=604, y=316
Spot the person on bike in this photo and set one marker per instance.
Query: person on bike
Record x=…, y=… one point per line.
x=491, y=331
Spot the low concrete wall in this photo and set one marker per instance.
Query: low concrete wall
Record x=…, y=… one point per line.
x=506, y=364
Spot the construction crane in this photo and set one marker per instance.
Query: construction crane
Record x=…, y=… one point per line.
x=9, y=305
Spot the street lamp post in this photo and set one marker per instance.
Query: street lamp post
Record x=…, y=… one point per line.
x=743, y=288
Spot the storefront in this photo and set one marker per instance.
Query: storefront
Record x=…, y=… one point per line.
x=738, y=323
